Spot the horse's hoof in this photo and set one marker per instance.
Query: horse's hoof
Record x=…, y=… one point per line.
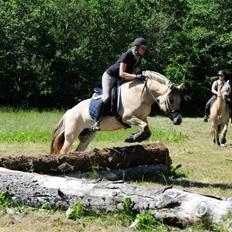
x=129, y=140
x=223, y=141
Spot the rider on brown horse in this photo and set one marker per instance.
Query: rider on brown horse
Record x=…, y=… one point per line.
x=126, y=68
x=214, y=89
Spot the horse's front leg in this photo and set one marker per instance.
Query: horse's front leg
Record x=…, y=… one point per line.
x=224, y=132
x=214, y=133
x=143, y=134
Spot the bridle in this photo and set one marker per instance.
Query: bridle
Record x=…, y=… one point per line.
x=223, y=96
x=170, y=113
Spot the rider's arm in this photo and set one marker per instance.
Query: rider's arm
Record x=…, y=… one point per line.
x=125, y=75
x=229, y=91
x=213, y=88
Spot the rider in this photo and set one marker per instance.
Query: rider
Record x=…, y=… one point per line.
x=126, y=68
x=214, y=89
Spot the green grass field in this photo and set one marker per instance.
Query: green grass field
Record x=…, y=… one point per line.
x=207, y=168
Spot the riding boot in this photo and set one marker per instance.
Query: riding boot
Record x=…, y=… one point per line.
x=99, y=111
x=207, y=112
x=208, y=106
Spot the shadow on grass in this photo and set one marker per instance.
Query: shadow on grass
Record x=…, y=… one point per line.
x=193, y=184
x=175, y=176
x=157, y=174
x=228, y=145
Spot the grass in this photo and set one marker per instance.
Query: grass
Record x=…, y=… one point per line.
x=206, y=168
x=29, y=133
x=27, y=126
x=36, y=127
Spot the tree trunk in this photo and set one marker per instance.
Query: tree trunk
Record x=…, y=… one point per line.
x=98, y=159
x=172, y=205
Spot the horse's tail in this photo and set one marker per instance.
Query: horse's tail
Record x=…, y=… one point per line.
x=58, y=138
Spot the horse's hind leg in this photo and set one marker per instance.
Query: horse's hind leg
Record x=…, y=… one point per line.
x=71, y=133
x=217, y=135
x=85, y=138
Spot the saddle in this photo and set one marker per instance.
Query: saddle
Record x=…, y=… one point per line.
x=111, y=108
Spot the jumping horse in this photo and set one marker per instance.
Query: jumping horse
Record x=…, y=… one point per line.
x=137, y=98
x=220, y=115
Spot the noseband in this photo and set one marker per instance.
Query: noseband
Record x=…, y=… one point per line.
x=169, y=113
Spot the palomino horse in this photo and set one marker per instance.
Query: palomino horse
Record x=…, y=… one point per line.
x=220, y=114
x=137, y=98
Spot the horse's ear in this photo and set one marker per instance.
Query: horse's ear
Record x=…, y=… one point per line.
x=171, y=85
x=180, y=87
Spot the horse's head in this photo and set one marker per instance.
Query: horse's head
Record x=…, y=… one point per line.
x=166, y=94
x=170, y=103
x=224, y=90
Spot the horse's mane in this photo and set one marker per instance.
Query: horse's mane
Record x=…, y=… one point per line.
x=158, y=77
x=226, y=88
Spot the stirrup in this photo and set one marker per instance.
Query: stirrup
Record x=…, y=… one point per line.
x=96, y=126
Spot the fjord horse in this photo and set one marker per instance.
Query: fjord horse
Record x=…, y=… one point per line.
x=220, y=115
x=137, y=98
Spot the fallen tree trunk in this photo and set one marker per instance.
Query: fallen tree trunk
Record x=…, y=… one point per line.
x=142, y=172
x=173, y=206
x=98, y=159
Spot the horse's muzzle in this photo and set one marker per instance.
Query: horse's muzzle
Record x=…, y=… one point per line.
x=176, y=117
x=177, y=120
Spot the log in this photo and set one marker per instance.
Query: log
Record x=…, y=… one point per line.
x=98, y=159
x=173, y=206
x=142, y=172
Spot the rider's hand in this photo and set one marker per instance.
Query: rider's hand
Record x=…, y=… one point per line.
x=140, y=77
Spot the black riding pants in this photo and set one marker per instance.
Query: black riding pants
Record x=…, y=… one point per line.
x=209, y=104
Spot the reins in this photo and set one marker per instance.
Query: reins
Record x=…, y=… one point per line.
x=148, y=91
x=168, y=112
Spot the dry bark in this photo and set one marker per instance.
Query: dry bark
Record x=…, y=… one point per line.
x=173, y=206
x=142, y=172
x=98, y=159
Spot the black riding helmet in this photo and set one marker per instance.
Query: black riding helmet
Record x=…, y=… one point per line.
x=221, y=73
x=140, y=42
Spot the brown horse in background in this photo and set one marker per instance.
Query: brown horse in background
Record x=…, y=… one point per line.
x=220, y=115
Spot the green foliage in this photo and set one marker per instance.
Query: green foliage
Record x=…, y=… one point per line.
x=126, y=215
x=127, y=207
x=76, y=211
x=47, y=206
x=4, y=201
x=147, y=223
x=199, y=50
x=225, y=227
x=53, y=52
